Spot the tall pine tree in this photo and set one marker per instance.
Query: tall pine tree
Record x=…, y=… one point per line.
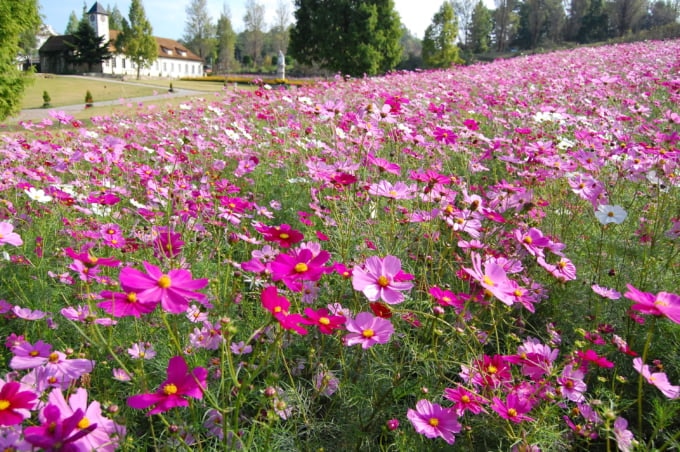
x=136, y=38
x=347, y=36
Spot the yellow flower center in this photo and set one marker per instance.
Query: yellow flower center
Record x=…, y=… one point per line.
x=54, y=357
x=284, y=236
x=277, y=309
x=164, y=282
x=434, y=422
x=393, y=192
x=465, y=399
x=170, y=389
x=301, y=267
x=4, y=404
x=486, y=280
x=492, y=369
x=33, y=353
x=383, y=281
x=368, y=333
x=517, y=293
x=324, y=321
x=131, y=297
x=528, y=240
x=660, y=303
x=446, y=299
x=84, y=423
x=512, y=412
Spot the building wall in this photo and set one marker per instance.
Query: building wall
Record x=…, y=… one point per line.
x=162, y=67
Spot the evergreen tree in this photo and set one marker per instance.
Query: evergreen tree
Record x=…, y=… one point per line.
x=226, y=43
x=199, y=30
x=15, y=18
x=412, y=53
x=136, y=38
x=72, y=26
x=480, y=29
x=347, y=36
x=439, y=43
x=505, y=23
x=88, y=47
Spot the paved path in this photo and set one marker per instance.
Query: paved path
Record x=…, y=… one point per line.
x=37, y=114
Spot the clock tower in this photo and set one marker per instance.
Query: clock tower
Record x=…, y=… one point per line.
x=99, y=19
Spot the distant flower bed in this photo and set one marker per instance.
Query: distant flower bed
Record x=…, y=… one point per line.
x=244, y=79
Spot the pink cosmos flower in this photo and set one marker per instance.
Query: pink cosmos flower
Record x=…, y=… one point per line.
x=465, y=400
x=142, y=350
x=122, y=304
x=174, y=391
x=591, y=357
x=663, y=304
x=432, y=420
x=533, y=241
x=571, y=383
x=8, y=236
x=166, y=242
x=447, y=298
x=27, y=313
x=624, y=437
x=514, y=408
x=492, y=278
x=173, y=289
x=382, y=279
x=301, y=265
x=397, y=191
x=488, y=372
x=29, y=356
x=368, y=330
x=105, y=437
x=606, y=292
x=658, y=379
x=112, y=235
x=89, y=260
x=15, y=404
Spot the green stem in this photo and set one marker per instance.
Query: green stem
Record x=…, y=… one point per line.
x=648, y=341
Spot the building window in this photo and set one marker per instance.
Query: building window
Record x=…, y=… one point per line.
x=113, y=62
x=172, y=67
x=186, y=68
x=165, y=66
x=193, y=69
x=123, y=65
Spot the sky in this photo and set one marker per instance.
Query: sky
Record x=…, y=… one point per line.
x=167, y=17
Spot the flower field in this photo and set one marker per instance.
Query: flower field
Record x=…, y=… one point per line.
x=485, y=258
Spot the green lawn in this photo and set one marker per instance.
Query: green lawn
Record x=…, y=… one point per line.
x=66, y=90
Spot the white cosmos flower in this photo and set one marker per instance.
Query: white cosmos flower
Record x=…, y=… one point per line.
x=38, y=195
x=610, y=214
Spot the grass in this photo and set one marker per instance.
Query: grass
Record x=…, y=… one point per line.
x=69, y=90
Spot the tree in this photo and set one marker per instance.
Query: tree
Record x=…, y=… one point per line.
x=226, y=43
x=661, y=13
x=540, y=21
x=348, y=36
x=15, y=18
x=72, y=26
x=115, y=18
x=88, y=48
x=439, y=43
x=253, y=22
x=464, y=9
x=280, y=27
x=594, y=26
x=480, y=29
x=412, y=50
x=625, y=15
x=136, y=38
x=505, y=23
x=199, y=30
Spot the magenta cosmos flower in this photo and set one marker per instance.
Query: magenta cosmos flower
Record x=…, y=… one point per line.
x=174, y=391
x=173, y=289
x=56, y=433
x=300, y=265
x=382, y=279
x=433, y=420
x=8, y=236
x=15, y=405
x=368, y=330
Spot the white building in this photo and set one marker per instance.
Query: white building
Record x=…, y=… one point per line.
x=173, y=59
